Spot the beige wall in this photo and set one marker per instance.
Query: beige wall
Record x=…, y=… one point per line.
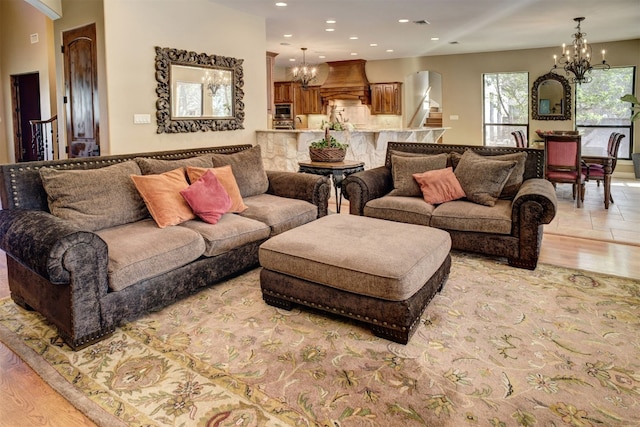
x=132, y=30
x=462, y=84
x=18, y=20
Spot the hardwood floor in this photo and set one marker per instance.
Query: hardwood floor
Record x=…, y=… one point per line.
x=27, y=401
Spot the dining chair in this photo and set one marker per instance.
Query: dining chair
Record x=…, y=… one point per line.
x=521, y=138
x=562, y=163
x=595, y=171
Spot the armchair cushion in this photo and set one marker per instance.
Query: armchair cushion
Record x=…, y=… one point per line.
x=439, y=186
x=248, y=170
x=94, y=199
x=403, y=167
x=483, y=179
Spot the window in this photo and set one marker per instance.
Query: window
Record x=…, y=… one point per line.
x=506, y=107
x=599, y=110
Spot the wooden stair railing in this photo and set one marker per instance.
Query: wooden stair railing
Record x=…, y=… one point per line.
x=44, y=136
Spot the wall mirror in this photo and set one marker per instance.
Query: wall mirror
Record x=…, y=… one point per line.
x=551, y=98
x=198, y=92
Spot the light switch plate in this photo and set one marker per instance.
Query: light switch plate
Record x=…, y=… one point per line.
x=140, y=119
x=454, y=117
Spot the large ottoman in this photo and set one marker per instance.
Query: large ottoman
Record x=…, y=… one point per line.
x=379, y=272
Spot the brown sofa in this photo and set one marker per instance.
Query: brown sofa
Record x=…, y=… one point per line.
x=86, y=270
x=512, y=228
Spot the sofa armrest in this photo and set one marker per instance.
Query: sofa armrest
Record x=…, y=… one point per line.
x=50, y=246
x=315, y=189
x=540, y=191
x=367, y=185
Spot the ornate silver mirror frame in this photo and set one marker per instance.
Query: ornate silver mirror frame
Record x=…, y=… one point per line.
x=553, y=106
x=198, y=92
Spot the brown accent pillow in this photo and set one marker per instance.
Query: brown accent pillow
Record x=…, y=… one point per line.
x=403, y=168
x=247, y=168
x=150, y=166
x=483, y=181
x=94, y=199
x=439, y=186
x=516, y=178
x=161, y=194
x=228, y=181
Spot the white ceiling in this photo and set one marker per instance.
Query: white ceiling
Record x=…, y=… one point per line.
x=476, y=26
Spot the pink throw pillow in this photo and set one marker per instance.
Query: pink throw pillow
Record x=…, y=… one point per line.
x=439, y=186
x=207, y=198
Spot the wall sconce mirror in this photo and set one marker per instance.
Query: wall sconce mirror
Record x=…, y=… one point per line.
x=198, y=92
x=551, y=98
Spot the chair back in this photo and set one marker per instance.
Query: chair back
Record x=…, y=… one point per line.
x=562, y=154
x=521, y=139
x=613, y=146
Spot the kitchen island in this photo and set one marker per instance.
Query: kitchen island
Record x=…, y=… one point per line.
x=283, y=149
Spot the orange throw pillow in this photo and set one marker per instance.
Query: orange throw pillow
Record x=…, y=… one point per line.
x=439, y=186
x=161, y=194
x=228, y=181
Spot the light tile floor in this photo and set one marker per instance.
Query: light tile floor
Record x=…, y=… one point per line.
x=620, y=223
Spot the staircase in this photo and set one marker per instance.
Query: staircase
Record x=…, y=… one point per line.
x=434, y=119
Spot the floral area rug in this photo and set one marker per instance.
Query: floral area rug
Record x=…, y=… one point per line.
x=499, y=346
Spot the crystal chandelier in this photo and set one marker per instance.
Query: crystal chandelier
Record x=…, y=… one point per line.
x=578, y=62
x=304, y=73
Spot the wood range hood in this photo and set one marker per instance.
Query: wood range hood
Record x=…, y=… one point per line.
x=346, y=81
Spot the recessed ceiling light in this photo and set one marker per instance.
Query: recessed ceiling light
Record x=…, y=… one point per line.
x=403, y=21
x=330, y=21
x=435, y=39
x=281, y=4
x=287, y=35
x=373, y=44
x=329, y=29
x=353, y=38
x=321, y=56
x=292, y=59
x=354, y=54
x=389, y=50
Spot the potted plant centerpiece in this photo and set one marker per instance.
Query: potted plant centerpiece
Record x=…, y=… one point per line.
x=328, y=149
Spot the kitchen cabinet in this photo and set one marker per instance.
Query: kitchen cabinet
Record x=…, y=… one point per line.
x=283, y=92
x=386, y=98
x=311, y=101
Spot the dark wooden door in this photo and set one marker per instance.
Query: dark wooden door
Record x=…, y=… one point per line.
x=25, y=96
x=81, y=91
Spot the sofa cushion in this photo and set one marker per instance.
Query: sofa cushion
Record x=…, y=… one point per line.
x=516, y=178
x=227, y=180
x=403, y=167
x=161, y=194
x=141, y=250
x=230, y=232
x=97, y=198
x=462, y=215
x=279, y=213
x=483, y=179
x=439, y=186
x=150, y=166
x=248, y=169
x=411, y=210
x=207, y=198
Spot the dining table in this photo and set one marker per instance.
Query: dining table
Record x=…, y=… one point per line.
x=594, y=155
x=599, y=155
